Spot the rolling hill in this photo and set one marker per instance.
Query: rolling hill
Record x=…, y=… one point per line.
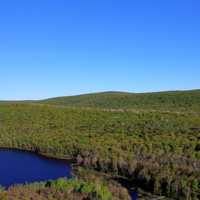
x=155, y=150
x=172, y=100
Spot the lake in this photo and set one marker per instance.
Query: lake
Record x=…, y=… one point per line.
x=18, y=167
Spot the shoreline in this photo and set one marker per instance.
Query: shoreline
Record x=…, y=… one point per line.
x=45, y=155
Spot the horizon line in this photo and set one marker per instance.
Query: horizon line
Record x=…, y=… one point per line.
x=99, y=92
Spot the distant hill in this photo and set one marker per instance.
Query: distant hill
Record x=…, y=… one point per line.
x=178, y=101
x=171, y=100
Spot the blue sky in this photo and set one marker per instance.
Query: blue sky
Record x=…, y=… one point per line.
x=54, y=48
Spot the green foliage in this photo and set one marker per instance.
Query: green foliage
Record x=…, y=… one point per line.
x=61, y=189
x=1, y=188
x=165, y=101
x=155, y=146
x=99, y=191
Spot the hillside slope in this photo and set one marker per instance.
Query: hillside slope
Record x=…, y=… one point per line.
x=154, y=150
x=158, y=152
x=173, y=100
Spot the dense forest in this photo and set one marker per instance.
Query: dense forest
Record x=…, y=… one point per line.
x=90, y=187
x=151, y=140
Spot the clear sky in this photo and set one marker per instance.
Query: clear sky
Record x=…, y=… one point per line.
x=61, y=47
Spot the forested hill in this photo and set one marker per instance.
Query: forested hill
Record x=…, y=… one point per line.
x=177, y=101
x=156, y=151
x=167, y=101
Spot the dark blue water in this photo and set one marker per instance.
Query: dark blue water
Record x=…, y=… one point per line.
x=134, y=195
x=18, y=167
